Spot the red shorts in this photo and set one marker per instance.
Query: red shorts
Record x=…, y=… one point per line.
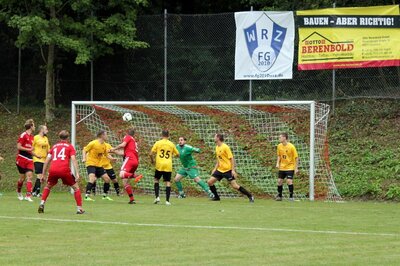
x=24, y=165
x=66, y=177
x=129, y=165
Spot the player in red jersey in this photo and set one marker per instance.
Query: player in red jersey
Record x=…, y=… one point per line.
x=60, y=156
x=131, y=162
x=24, y=160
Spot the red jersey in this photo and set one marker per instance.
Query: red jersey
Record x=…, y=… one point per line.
x=61, y=154
x=26, y=141
x=131, y=149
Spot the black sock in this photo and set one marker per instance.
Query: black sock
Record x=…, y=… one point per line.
x=116, y=186
x=36, y=188
x=88, y=188
x=290, y=190
x=280, y=189
x=157, y=189
x=245, y=192
x=106, y=188
x=167, y=193
x=214, y=191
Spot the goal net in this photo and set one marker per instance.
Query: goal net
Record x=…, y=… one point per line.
x=251, y=130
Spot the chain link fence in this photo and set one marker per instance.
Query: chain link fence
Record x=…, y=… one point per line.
x=191, y=57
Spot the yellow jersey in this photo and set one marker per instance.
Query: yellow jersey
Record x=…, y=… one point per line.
x=106, y=163
x=41, y=147
x=288, y=155
x=224, y=156
x=95, y=153
x=164, y=150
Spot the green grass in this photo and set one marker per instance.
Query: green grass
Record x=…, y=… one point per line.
x=263, y=233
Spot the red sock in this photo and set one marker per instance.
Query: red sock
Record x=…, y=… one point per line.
x=28, y=188
x=46, y=192
x=127, y=175
x=19, y=186
x=129, y=190
x=78, y=197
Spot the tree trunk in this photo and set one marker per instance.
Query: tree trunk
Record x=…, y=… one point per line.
x=49, y=101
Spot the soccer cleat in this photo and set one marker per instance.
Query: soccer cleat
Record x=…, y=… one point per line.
x=20, y=197
x=168, y=203
x=80, y=211
x=107, y=198
x=215, y=199
x=137, y=178
x=88, y=199
x=210, y=195
x=28, y=199
x=278, y=198
x=251, y=199
x=41, y=208
x=182, y=196
x=291, y=199
x=132, y=202
x=157, y=200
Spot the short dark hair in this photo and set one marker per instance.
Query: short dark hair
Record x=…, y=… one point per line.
x=100, y=133
x=63, y=134
x=131, y=131
x=165, y=133
x=285, y=135
x=220, y=136
x=28, y=125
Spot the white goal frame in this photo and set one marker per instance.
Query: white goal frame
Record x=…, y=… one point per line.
x=311, y=104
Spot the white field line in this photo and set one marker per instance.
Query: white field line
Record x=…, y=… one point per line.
x=285, y=230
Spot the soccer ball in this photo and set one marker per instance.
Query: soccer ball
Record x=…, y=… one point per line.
x=127, y=117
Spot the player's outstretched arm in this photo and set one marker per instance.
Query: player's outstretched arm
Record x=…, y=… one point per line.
x=278, y=161
x=76, y=167
x=83, y=155
x=296, y=169
x=46, y=166
x=233, y=166
x=152, y=157
x=118, y=147
x=1, y=159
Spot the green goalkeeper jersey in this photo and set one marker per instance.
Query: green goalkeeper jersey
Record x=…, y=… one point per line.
x=186, y=155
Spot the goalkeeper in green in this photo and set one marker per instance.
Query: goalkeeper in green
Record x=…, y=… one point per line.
x=189, y=168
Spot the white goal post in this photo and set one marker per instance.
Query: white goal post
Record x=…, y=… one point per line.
x=242, y=121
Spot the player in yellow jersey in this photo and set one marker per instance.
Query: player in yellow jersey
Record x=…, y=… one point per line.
x=107, y=165
x=41, y=147
x=163, y=150
x=225, y=168
x=92, y=155
x=287, y=163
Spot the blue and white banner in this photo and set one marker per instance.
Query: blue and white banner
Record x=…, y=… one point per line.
x=264, y=45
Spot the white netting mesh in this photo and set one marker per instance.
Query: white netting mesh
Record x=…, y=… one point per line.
x=252, y=132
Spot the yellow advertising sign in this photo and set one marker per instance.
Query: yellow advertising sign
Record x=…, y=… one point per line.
x=349, y=38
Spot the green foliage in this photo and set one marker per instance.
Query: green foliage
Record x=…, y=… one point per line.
x=86, y=28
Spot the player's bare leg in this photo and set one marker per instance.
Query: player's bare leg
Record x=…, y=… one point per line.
x=204, y=186
x=156, y=191
x=89, y=185
x=20, y=183
x=178, y=184
x=280, y=189
x=167, y=192
x=46, y=192
x=213, y=189
x=127, y=187
x=106, y=187
x=78, y=198
x=236, y=186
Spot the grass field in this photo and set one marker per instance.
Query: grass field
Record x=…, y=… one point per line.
x=195, y=231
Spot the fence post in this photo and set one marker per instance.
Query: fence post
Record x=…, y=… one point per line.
x=19, y=79
x=251, y=81
x=333, y=80
x=91, y=68
x=165, y=53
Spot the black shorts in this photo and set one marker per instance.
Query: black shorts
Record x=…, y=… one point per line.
x=111, y=173
x=38, y=167
x=97, y=171
x=219, y=175
x=286, y=174
x=23, y=170
x=165, y=175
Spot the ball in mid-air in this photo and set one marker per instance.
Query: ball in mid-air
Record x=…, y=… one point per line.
x=127, y=117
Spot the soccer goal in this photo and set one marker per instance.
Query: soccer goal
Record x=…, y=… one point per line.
x=251, y=129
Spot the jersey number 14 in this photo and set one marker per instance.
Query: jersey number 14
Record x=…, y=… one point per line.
x=60, y=155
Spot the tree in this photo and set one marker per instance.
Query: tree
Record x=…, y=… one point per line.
x=85, y=28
